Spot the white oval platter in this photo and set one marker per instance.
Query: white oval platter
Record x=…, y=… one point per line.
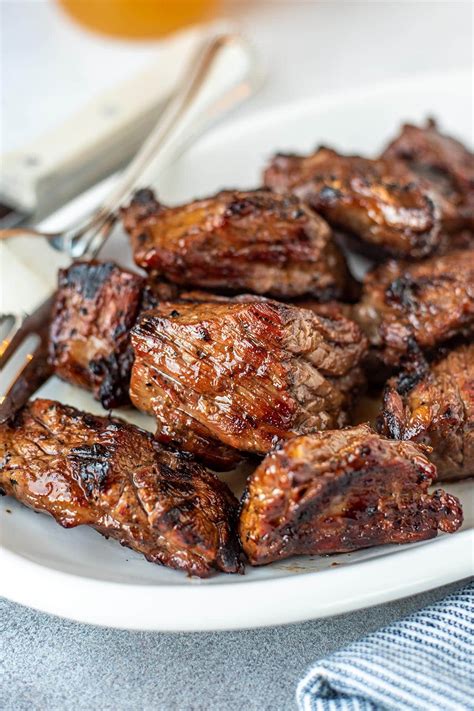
x=79, y=575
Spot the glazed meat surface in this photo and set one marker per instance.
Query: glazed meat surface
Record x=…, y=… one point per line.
x=101, y=472
x=96, y=305
x=379, y=202
x=408, y=308
x=243, y=373
x=436, y=408
x=236, y=241
x=339, y=491
x=444, y=162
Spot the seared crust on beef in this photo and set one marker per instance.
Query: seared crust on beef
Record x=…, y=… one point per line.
x=338, y=491
x=238, y=241
x=444, y=162
x=436, y=407
x=104, y=473
x=96, y=306
x=244, y=373
x=379, y=202
x=408, y=308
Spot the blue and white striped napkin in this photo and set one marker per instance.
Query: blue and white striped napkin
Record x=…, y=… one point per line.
x=424, y=662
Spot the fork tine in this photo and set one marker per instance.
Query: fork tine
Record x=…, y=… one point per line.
x=12, y=341
x=6, y=324
x=34, y=323
x=37, y=369
x=34, y=373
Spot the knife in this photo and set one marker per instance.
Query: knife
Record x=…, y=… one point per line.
x=95, y=142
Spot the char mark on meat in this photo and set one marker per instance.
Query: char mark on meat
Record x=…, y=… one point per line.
x=436, y=408
x=408, y=310
x=382, y=204
x=96, y=305
x=338, y=491
x=445, y=164
x=104, y=473
x=243, y=373
x=235, y=241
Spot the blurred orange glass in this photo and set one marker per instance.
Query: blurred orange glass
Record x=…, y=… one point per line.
x=138, y=18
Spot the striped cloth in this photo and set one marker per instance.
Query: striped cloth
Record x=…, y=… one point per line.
x=425, y=662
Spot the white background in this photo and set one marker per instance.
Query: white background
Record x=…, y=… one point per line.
x=50, y=66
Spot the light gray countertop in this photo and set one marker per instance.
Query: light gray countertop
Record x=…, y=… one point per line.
x=54, y=664
x=311, y=47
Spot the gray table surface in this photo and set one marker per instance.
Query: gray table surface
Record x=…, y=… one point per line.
x=48, y=663
x=55, y=664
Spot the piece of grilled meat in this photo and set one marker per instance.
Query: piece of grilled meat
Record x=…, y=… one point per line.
x=244, y=373
x=379, y=202
x=442, y=161
x=253, y=241
x=96, y=305
x=339, y=491
x=104, y=473
x=436, y=407
x=409, y=308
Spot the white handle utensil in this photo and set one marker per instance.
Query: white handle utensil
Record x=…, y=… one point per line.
x=101, y=138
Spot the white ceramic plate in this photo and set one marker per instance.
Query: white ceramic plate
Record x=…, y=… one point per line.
x=80, y=575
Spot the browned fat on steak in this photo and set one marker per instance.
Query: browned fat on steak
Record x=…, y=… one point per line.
x=104, y=473
x=435, y=406
x=443, y=162
x=96, y=305
x=341, y=490
x=252, y=241
x=408, y=308
x=243, y=374
x=381, y=203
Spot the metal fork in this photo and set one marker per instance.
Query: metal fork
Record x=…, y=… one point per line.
x=181, y=122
